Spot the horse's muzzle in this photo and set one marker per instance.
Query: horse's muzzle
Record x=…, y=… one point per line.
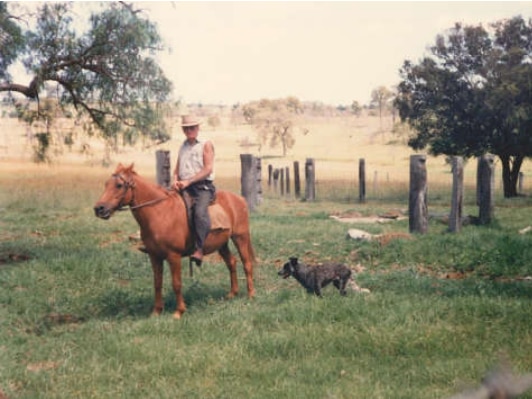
x=102, y=211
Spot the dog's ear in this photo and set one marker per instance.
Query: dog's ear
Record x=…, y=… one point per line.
x=293, y=261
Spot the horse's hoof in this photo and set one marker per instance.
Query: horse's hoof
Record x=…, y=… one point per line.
x=177, y=315
x=155, y=314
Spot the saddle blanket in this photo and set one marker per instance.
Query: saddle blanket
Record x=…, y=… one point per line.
x=219, y=218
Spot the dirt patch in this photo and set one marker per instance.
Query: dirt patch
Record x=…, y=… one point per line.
x=11, y=258
x=42, y=366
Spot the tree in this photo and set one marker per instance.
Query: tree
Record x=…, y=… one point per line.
x=274, y=120
x=474, y=95
x=11, y=40
x=380, y=98
x=214, y=121
x=356, y=108
x=107, y=74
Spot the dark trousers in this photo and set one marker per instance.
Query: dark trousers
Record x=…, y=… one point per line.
x=203, y=193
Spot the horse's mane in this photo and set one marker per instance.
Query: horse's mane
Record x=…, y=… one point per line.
x=130, y=171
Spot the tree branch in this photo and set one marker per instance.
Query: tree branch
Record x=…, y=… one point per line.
x=30, y=91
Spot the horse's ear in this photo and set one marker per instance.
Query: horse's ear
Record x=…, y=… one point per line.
x=129, y=169
x=119, y=167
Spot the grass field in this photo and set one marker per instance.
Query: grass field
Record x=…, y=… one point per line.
x=75, y=294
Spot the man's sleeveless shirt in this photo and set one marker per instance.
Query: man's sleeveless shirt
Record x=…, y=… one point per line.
x=191, y=160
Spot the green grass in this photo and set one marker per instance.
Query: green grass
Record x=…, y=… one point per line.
x=75, y=299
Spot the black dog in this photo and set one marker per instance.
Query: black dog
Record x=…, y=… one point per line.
x=314, y=278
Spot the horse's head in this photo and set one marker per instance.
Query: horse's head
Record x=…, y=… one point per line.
x=117, y=193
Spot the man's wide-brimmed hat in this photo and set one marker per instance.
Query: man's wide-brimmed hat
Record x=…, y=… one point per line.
x=189, y=120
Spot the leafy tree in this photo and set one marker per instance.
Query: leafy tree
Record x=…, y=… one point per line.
x=274, y=120
x=380, y=98
x=214, y=121
x=474, y=95
x=107, y=74
x=356, y=108
x=11, y=40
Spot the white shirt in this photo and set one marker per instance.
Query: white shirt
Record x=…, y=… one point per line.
x=191, y=160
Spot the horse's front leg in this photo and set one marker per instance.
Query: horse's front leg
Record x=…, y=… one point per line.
x=174, y=260
x=157, y=267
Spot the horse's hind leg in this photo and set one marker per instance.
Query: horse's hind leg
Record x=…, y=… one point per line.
x=230, y=262
x=245, y=250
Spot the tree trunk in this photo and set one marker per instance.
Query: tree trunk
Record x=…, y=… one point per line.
x=510, y=174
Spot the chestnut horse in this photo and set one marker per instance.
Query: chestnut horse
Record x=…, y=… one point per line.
x=164, y=229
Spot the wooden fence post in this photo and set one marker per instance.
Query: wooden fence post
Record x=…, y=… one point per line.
x=297, y=181
x=281, y=185
x=361, y=180
x=485, y=188
x=287, y=173
x=417, y=205
x=162, y=162
x=258, y=175
x=310, y=180
x=275, y=179
x=248, y=180
x=270, y=171
x=520, y=183
x=455, y=219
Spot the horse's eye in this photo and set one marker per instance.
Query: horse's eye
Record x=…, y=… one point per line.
x=119, y=186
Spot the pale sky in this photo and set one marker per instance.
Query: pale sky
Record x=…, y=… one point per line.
x=332, y=51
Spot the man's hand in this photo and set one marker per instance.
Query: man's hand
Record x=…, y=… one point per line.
x=181, y=184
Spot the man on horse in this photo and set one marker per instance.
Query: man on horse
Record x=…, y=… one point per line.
x=194, y=174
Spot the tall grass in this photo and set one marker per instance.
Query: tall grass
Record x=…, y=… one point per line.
x=75, y=297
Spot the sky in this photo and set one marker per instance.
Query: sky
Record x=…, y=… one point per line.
x=333, y=52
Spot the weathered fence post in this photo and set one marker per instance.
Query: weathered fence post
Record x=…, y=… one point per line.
x=275, y=179
x=455, y=219
x=162, y=162
x=520, y=183
x=417, y=205
x=281, y=171
x=297, y=182
x=362, y=180
x=258, y=175
x=270, y=171
x=287, y=173
x=310, y=180
x=485, y=188
x=248, y=180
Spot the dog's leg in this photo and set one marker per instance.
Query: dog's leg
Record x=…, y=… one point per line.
x=317, y=286
x=342, y=285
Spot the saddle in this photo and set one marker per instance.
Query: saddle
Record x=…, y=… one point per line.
x=219, y=218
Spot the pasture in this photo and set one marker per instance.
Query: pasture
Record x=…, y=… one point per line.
x=76, y=294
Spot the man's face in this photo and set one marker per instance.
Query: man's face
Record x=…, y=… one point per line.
x=191, y=132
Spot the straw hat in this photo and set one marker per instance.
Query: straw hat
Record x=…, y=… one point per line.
x=189, y=120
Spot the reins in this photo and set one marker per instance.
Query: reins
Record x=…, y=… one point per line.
x=131, y=185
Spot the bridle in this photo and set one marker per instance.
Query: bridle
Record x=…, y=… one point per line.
x=127, y=185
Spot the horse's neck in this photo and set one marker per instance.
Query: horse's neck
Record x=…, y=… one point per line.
x=151, y=203
x=146, y=191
